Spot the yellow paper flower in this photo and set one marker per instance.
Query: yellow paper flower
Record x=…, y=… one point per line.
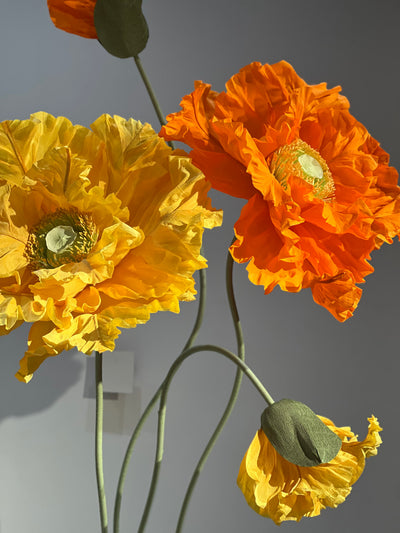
x=280, y=490
x=98, y=229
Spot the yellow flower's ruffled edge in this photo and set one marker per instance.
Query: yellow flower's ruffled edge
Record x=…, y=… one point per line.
x=14, y=311
x=61, y=284
x=184, y=210
x=87, y=333
x=28, y=148
x=24, y=142
x=59, y=328
x=174, y=219
x=279, y=490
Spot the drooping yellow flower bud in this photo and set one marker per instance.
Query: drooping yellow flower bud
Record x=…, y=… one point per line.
x=281, y=490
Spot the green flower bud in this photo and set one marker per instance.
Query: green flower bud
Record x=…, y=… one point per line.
x=298, y=434
x=121, y=27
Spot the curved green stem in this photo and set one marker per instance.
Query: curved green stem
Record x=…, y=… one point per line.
x=245, y=369
x=153, y=401
x=232, y=399
x=200, y=310
x=162, y=410
x=151, y=93
x=99, y=443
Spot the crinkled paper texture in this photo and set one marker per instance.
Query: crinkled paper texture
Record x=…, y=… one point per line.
x=280, y=490
x=287, y=236
x=149, y=205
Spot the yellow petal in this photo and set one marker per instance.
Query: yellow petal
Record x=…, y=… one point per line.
x=12, y=257
x=136, y=211
x=87, y=333
x=280, y=490
x=38, y=351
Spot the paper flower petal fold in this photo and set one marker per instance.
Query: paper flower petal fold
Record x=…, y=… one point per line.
x=280, y=490
x=99, y=228
x=320, y=193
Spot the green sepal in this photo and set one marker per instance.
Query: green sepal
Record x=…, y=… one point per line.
x=121, y=27
x=298, y=434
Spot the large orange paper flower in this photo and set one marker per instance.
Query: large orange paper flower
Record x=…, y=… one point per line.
x=280, y=490
x=74, y=16
x=98, y=229
x=320, y=193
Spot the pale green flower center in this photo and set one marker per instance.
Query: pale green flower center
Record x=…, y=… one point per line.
x=311, y=166
x=300, y=160
x=65, y=236
x=60, y=238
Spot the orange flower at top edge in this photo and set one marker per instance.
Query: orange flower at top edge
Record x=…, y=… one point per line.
x=320, y=193
x=74, y=16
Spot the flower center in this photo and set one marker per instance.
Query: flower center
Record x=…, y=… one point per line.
x=302, y=161
x=59, y=238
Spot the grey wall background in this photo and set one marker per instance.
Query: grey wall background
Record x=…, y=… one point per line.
x=344, y=371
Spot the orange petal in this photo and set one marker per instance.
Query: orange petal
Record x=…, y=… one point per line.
x=74, y=16
x=340, y=296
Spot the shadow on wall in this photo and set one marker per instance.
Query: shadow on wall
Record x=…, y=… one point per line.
x=50, y=382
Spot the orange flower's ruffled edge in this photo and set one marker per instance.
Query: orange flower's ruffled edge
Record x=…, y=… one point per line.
x=292, y=259
x=74, y=16
x=289, y=237
x=149, y=204
x=191, y=126
x=262, y=102
x=280, y=490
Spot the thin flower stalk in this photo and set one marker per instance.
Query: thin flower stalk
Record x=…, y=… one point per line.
x=154, y=400
x=149, y=88
x=151, y=93
x=163, y=408
x=232, y=398
x=99, y=443
x=191, y=339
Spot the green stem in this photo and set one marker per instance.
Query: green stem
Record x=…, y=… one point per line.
x=153, y=401
x=162, y=410
x=200, y=310
x=151, y=93
x=99, y=443
x=232, y=398
x=245, y=369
